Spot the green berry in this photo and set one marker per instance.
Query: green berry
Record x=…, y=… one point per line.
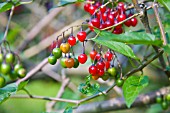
x=13, y=75
x=168, y=97
x=112, y=71
x=52, y=60
x=2, y=81
x=17, y=67
x=5, y=68
x=164, y=105
x=119, y=82
x=21, y=73
x=57, y=53
x=105, y=76
x=62, y=62
x=1, y=57
x=159, y=99
x=10, y=58
x=76, y=63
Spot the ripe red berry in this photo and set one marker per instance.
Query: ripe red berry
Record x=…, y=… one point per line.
x=134, y=22
x=128, y=23
x=111, y=18
x=72, y=40
x=100, y=72
x=92, y=9
x=103, y=9
x=95, y=22
x=82, y=58
x=98, y=15
x=90, y=26
x=93, y=70
x=118, y=31
x=98, y=56
x=100, y=65
x=103, y=25
x=108, y=24
x=107, y=64
x=86, y=7
x=121, y=17
x=109, y=56
x=93, y=54
x=104, y=16
x=121, y=7
x=119, y=26
x=114, y=13
x=98, y=4
x=81, y=36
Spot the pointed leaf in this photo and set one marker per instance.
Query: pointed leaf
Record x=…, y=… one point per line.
x=132, y=87
x=130, y=38
x=116, y=46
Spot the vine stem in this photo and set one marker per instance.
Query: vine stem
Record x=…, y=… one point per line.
x=9, y=20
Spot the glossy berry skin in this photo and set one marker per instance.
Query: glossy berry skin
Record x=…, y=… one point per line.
x=1, y=57
x=93, y=54
x=92, y=9
x=82, y=58
x=111, y=18
x=121, y=7
x=119, y=26
x=93, y=70
x=76, y=63
x=168, y=97
x=100, y=65
x=21, y=73
x=114, y=13
x=72, y=40
x=13, y=75
x=57, y=53
x=98, y=56
x=65, y=47
x=17, y=67
x=121, y=17
x=107, y=65
x=95, y=22
x=5, y=68
x=104, y=17
x=128, y=23
x=52, y=60
x=109, y=56
x=69, y=62
x=159, y=99
x=98, y=15
x=118, y=31
x=90, y=25
x=112, y=71
x=103, y=9
x=81, y=36
x=105, y=76
x=10, y=58
x=100, y=72
x=134, y=22
x=119, y=82
x=2, y=81
x=86, y=7
x=164, y=105
x=62, y=62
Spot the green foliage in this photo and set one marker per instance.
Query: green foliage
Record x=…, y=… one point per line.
x=87, y=88
x=130, y=38
x=66, y=2
x=165, y=3
x=132, y=87
x=68, y=110
x=8, y=5
x=167, y=48
x=10, y=89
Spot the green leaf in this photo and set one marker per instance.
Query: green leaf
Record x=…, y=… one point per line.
x=130, y=38
x=68, y=110
x=165, y=3
x=22, y=85
x=167, y=48
x=10, y=89
x=66, y=2
x=132, y=87
x=7, y=91
x=116, y=46
x=8, y=5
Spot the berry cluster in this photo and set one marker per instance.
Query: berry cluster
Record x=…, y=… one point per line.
x=9, y=65
x=106, y=16
x=164, y=101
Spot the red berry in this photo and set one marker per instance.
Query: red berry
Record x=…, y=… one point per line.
x=134, y=22
x=109, y=56
x=72, y=40
x=103, y=25
x=95, y=22
x=121, y=7
x=111, y=18
x=118, y=31
x=90, y=26
x=107, y=64
x=121, y=17
x=98, y=56
x=100, y=65
x=103, y=9
x=98, y=15
x=128, y=23
x=82, y=58
x=114, y=13
x=86, y=7
x=92, y=9
x=98, y=4
x=100, y=72
x=104, y=16
x=93, y=54
x=81, y=36
x=93, y=70
x=119, y=26
x=108, y=23
x=108, y=10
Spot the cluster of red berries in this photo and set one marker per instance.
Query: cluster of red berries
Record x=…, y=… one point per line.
x=9, y=65
x=67, y=61
x=107, y=17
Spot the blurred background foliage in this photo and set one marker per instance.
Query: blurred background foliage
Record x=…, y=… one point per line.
x=27, y=16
